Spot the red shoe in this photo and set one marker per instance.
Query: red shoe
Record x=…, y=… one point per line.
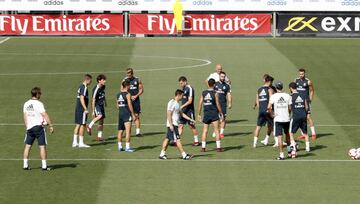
x=99, y=139
x=301, y=137
x=222, y=136
x=203, y=149
x=313, y=137
x=196, y=143
x=88, y=130
x=219, y=149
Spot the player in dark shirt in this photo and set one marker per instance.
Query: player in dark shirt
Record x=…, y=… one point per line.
x=262, y=100
x=225, y=99
x=136, y=89
x=305, y=87
x=81, y=112
x=209, y=100
x=300, y=110
x=126, y=116
x=98, y=106
x=187, y=107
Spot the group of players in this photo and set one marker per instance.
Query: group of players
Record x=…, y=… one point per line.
x=275, y=108
x=284, y=113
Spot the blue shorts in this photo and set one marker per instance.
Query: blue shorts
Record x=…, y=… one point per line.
x=281, y=128
x=264, y=118
x=136, y=106
x=298, y=123
x=208, y=119
x=123, y=118
x=36, y=132
x=100, y=110
x=224, y=109
x=173, y=135
x=80, y=117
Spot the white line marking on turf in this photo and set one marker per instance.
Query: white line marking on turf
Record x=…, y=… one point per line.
x=177, y=160
x=205, y=62
x=6, y=39
x=148, y=124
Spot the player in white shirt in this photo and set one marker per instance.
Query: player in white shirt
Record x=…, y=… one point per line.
x=172, y=123
x=216, y=75
x=35, y=118
x=282, y=107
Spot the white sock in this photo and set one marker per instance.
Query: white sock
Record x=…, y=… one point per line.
x=301, y=132
x=267, y=138
x=26, y=163
x=218, y=144
x=43, y=164
x=222, y=130
x=162, y=153
x=282, y=154
x=119, y=145
x=203, y=144
x=81, y=140
x=307, y=145
x=100, y=133
x=127, y=145
x=91, y=124
x=276, y=140
x=255, y=140
x=292, y=143
x=75, y=139
x=213, y=134
x=137, y=131
x=312, y=130
x=183, y=154
x=196, y=138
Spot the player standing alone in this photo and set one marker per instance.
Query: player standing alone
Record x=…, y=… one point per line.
x=212, y=114
x=81, y=112
x=126, y=116
x=136, y=89
x=172, y=123
x=305, y=88
x=188, y=109
x=35, y=118
x=224, y=91
x=281, y=112
x=98, y=106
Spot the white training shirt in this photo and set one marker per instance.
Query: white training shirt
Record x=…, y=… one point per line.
x=281, y=102
x=173, y=106
x=216, y=77
x=33, y=109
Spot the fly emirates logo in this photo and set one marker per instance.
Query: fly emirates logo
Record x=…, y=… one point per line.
x=208, y=23
x=24, y=24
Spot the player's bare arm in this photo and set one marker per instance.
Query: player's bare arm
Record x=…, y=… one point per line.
x=141, y=91
x=218, y=106
x=131, y=108
x=311, y=90
x=190, y=100
x=47, y=119
x=229, y=99
x=187, y=117
x=201, y=101
x=82, y=101
x=256, y=104
x=169, y=119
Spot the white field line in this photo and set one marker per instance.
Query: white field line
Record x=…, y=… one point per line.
x=6, y=39
x=204, y=62
x=180, y=160
x=159, y=124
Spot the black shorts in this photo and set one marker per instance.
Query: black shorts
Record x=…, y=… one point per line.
x=100, y=110
x=173, y=135
x=190, y=114
x=208, y=119
x=264, y=118
x=298, y=123
x=80, y=117
x=123, y=118
x=281, y=128
x=224, y=109
x=136, y=106
x=37, y=132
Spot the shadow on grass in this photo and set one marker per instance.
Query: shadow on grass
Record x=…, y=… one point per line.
x=61, y=166
x=323, y=135
x=147, y=147
x=318, y=147
x=202, y=155
x=233, y=134
x=236, y=121
x=305, y=155
x=152, y=133
x=233, y=148
x=102, y=143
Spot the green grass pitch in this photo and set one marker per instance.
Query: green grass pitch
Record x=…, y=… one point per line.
x=241, y=174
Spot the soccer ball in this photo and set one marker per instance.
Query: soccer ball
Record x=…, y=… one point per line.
x=353, y=153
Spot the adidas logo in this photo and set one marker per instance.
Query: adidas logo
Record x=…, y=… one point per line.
x=281, y=100
x=121, y=99
x=263, y=93
x=208, y=97
x=299, y=100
